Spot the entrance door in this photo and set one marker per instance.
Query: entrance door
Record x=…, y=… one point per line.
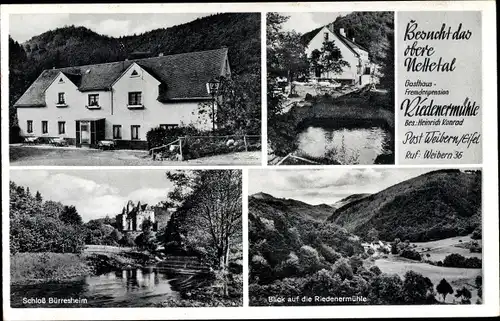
x=85, y=132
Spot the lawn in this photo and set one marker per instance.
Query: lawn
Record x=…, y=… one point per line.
x=36, y=267
x=457, y=277
x=71, y=156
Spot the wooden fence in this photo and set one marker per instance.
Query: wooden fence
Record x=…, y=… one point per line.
x=181, y=140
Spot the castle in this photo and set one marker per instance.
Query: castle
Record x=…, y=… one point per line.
x=134, y=215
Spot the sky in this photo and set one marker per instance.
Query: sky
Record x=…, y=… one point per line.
x=96, y=193
x=303, y=22
x=24, y=26
x=326, y=185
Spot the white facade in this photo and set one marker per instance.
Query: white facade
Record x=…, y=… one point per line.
x=113, y=106
x=357, y=65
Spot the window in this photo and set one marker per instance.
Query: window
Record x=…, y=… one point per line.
x=117, y=131
x=61, y=81
x=325, y=36
x=62, y=127
x=134, y=73
x=29, y=126
x=168, y=126
x=60, y=99
x=135, y=98
x=134, y=130
x=45, y=127
x=93, y=100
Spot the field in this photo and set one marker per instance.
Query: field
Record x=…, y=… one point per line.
x=457, y=277
x=441, y=248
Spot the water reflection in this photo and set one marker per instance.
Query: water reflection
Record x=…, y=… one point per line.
x=121, y=288
x=343, y=146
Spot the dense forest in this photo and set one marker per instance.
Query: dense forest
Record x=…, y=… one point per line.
x=73, y=46
x=438, y=204
x=38, y=225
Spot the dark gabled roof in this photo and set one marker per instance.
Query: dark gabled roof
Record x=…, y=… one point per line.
x=349, y=43
x=184, y=76
x=307, y=37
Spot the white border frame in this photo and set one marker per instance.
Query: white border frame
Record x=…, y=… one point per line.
x=490, y=307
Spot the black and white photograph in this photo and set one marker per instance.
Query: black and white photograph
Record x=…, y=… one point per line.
x=392, y=236
x=330, y=88
x=125, y=238
x=135, y=89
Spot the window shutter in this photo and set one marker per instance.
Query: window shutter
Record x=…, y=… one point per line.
x=77, y=141
x=93, y=133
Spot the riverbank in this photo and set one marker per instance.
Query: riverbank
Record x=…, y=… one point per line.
x=208, y=293
x=28, y=268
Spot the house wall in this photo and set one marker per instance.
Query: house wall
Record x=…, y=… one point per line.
x=349, y=73
x=113, y=108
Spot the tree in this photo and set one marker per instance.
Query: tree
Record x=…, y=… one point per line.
x=444, y=288
x=331, y=58
x=70, y=216
x=417, y=289
x=208, y=220
x=114, y=237
x=289, y=59
x=238, y=106
x=479, y=285
x=373, y=235
x=38, y=197
x=386, y=289
x=146, y=240
x=464, y=294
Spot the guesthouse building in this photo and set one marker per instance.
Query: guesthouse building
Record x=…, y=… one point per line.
x=121, y=101
x=360, y=70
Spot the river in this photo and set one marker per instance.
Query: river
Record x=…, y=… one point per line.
x=121, y=288
x=343, y=145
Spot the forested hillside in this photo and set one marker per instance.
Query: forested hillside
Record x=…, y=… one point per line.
x=286, y=239
x=432, y=206
x=72, y=46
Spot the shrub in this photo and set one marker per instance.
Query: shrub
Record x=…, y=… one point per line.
x=386, y=289
x=417, y=289
x=127, y=240
x=477, y=234
x=160, y=136
x=411, y=254
x=375, y=270
x=343, y=269
x=309, y=259
x=329, y=253
x=459, y=261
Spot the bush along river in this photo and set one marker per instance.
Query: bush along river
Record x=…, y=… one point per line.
x=112, y=287
x=343, y=142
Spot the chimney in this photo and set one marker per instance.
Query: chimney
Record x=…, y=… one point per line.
x=342, y=32
x=160, y=54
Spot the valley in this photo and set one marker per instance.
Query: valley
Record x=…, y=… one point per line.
x=295, y=249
